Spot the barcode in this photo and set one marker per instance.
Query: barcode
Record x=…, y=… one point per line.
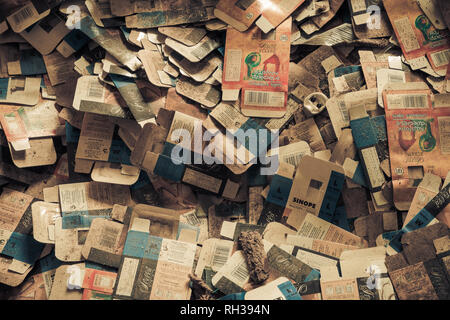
x=221, y=254
x=344, y=111
x=108, y=237
x=394, y=78
x=23, y=14
x=441, y=58
x=95, y=89
x=192, y=219
x=415, y=101
x=257, y=98
x=241, y=272
x=293, y=159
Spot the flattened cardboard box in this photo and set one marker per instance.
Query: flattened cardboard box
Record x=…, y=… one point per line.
x=417, y=35
x=104, y=242
x=93, y=96
x=258, y=64
x=26, y=16
x=418, y=137
x=16, y=240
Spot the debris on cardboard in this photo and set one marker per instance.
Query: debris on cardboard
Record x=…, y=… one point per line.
x=224, y=150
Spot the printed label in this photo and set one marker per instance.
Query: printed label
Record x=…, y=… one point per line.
x=406, y=34
x=444, y=134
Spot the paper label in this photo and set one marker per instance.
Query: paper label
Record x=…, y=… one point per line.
x=444, y=134
x=233, y=62
x=339, y=290
x=95, y=138
x=372, y=164
x=127, y=275
x=406, y=34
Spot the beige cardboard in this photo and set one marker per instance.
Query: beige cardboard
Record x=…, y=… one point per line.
x=187, y=36
x=25, y=16
x=83, y=166
x=310, y=226
x=115, y=173
x=51, y=194
x=358, y=263
x=59, y=68
x=195, y=53
x=59, y=289
x=41, y=153
x=310, y=169
x=214, y=255
x=14, y=129
x=199, y=71
x=269, y=291
x=42, y=120
x=92, y=196
x=179, y=12
x=277, y=233
x=235, y=270
x=153, y=62
x=95, y=138
x=105, y=236
x=91, y=95
x=23, y=90
x=44, y=215
x=43, y=40
x=309, y=132
x=242, y=15
x=204, y=94
x=291, y=153
x=67, y=244
x=163, y=222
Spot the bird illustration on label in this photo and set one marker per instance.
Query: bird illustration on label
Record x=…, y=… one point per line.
x=427, y=142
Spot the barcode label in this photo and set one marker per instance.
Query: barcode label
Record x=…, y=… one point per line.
x=395, y=78
x=233, y=65
x=192, y=219
x=13, y=124
x=344, y=111
x=257, y=98
x=108, y=237
x=441, y=58
x=95, y=89
x=23, y=14
x=407, y=101
x=264, y=98
x=240, y=273
x=415, y=101
x=293, y=159
x=220, y=257
x=103, y=281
